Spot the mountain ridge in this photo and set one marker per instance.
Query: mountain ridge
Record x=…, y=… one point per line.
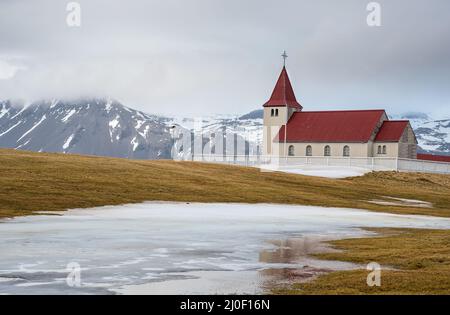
x=105, y=127
x=102, y=127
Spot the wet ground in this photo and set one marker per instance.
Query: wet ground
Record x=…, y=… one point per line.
x=178, y=248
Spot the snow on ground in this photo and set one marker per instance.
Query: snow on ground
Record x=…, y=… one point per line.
x=135, y=143
x=178, y=248
x=68, y=141
x=108, y=106
x=32, y=128
x=68, y=115
x=319, y=170
x=3, y=110
x=5, y=132
x=402, y=202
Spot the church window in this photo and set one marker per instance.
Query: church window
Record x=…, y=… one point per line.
x=379, y=149
x=308, y=150
x=384, y=149
x=291, y=150
x=346, y=151
x=272, y=111
x=276, y=112
x=327, y=150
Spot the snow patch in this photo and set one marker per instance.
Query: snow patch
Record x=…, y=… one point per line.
x=68, y=141
x=4, y=133
x=319, y=171
x=139, y=124
x=108, y=106
x=54, y=103
x=22, y=145
x=20, y=112
x=112, y=125
x=145, y=132
x=135, y=144
x=66, y=118
x=32, y=128
x=3, y=111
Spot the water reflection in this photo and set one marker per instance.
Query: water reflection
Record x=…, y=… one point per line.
x=295, y=252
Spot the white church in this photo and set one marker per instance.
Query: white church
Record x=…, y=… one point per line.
x=291, y=131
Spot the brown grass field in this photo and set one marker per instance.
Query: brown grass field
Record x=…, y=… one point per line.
x=31, y=182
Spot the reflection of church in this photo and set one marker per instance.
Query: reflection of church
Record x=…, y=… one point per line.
x=287, y=251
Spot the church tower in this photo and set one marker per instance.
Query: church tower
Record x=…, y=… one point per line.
x=278, y=109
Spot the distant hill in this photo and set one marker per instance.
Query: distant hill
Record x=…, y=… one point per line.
x=256, y=114
x=87, y=126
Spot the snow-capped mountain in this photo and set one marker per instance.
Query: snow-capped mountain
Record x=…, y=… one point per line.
x=433, y=135
x=108, y=128
x=95, y=127
x=220, y=134
x=248, y=129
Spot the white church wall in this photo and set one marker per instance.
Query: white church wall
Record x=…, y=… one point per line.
x=278, y=120
x=391, y=149
x=337, y=149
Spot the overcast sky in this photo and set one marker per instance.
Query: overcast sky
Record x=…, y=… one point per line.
x=194, y=57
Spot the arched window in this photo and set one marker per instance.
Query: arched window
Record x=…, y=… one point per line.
x=309, y=150
x=291, y=150
x=327, y=150
x=346, y=151
x=379, y=149
x=272, y=111
x=276, y=112
x=384, y=149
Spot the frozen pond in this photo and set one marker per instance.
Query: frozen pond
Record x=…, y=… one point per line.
x=177, y=248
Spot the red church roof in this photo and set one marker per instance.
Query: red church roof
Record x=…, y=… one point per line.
x=432, y=157
x=283, y=94
x=391, y=131
x=331, y=126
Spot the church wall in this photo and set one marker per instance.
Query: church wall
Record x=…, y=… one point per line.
x=391, y=149
x=272, y=125
x=337, y=149
x=275, y=120
x=408, y=144
x=406, y=148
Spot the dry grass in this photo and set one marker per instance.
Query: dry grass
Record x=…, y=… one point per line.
x=42, y=181
x=421, y=259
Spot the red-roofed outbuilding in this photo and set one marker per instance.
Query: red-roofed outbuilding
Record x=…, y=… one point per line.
x=391, y=131
x=433, y=157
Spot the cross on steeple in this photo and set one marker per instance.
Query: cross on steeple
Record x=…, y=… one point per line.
x=284, y=55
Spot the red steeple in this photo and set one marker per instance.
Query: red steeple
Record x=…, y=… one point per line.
x=283, y=94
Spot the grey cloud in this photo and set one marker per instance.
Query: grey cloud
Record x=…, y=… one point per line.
x=195, y=57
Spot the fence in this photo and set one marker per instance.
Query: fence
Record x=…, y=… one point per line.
x=372, y=163
x=423, y=166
